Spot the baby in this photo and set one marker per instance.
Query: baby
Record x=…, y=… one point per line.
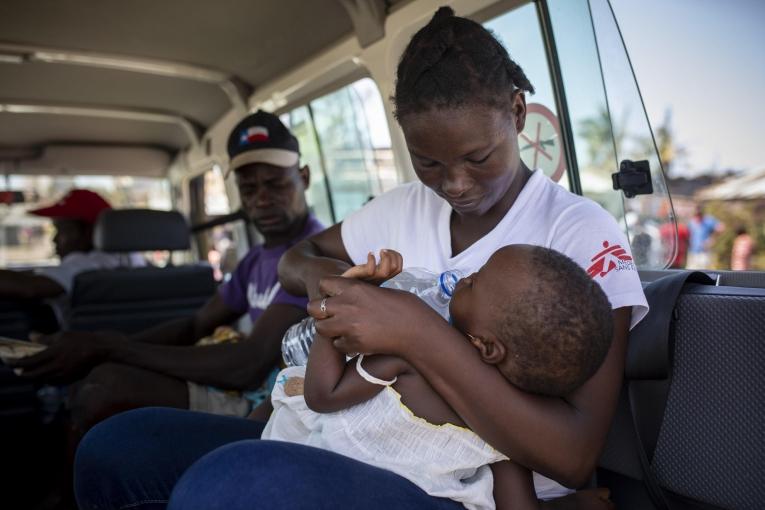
x=530, y=311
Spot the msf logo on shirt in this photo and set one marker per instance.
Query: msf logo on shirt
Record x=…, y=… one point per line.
x=613, y=257
x=261, y=299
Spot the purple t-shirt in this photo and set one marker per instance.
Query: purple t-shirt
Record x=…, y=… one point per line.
x=254, y=284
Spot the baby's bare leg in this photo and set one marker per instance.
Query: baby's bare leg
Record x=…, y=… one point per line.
x=262, y=412
x=513, y=487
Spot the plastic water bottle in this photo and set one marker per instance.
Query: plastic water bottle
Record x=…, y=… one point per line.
x=297, y=342
x=436, y=290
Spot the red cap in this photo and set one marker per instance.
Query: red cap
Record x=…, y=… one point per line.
x=78, y=204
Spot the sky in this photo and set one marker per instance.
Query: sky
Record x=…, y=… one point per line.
x=700, y=60
x=704, y=60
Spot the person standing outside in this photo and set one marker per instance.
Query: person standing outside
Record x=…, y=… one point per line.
x=742, y=251
x=667, y=232
x=702, y=229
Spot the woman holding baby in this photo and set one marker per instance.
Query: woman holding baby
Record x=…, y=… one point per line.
x=460, y=101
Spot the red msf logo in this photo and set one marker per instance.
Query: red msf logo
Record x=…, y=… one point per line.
x=608, y=260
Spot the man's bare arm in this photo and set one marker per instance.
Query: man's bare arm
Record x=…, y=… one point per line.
x=241, y=365
x=189, y=330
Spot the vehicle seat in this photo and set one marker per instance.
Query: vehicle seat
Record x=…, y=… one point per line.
x=18, y=318
x=710, y=452
x=132, y=299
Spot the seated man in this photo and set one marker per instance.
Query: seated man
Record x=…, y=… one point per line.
x=73, y=217
x=161, y=366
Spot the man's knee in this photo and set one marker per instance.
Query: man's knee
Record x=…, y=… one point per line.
x=94, y=451
x=116, y=453
x=260, y=470
x=286, y=475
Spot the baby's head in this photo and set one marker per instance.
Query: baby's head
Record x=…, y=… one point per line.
x=538, y=316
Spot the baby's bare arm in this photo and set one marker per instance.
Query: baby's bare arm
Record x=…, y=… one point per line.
x=332, y=384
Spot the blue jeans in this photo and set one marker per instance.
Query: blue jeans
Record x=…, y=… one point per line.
x=142, y=459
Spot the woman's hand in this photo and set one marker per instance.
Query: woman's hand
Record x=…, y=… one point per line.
x=363, y=318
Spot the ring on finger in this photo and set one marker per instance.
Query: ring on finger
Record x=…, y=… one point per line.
x=323, y=306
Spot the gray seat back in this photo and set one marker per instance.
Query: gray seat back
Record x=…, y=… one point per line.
x=132, y=299
x=126, y=230
x=711, y=447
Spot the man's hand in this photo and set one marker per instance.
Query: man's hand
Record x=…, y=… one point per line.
x=69, y=356
x=390, y=265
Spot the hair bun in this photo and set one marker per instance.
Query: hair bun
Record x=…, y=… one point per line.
x=454, y=61
x=443, y=13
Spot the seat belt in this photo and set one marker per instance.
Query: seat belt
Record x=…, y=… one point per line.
x=648, y=370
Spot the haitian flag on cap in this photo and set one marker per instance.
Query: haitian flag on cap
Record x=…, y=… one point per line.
x=253, y=134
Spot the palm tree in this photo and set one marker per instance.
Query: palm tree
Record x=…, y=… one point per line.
x=669, y=150
x=601, y=136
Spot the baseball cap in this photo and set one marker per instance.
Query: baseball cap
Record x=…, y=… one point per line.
x=78, y=204
x=262, y=138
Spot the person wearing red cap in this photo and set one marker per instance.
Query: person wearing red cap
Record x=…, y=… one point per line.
x=162, y=365
x=74, y=217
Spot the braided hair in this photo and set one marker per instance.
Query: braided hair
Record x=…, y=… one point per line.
x=452, y=62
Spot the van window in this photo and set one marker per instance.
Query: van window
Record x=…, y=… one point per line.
x=344, y=137
x=610, y=128
x=701, y=74
x=214, y=193
x=26, y=240
x=218, y=232
x=301, y=124
x=541, y=142
x=562, y=53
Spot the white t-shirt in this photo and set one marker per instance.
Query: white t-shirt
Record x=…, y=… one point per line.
x=78, y=262
x=414, y=221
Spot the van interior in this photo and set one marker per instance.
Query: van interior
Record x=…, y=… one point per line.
x=139, y=97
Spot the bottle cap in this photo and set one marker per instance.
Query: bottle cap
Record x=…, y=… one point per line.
x=447, y=281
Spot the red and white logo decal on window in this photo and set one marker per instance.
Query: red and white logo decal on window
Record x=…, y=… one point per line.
x=613, y=257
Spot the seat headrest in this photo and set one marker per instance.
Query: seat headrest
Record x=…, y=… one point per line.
x=126, y=230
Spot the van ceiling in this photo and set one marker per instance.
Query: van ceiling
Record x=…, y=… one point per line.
x=153, y=73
